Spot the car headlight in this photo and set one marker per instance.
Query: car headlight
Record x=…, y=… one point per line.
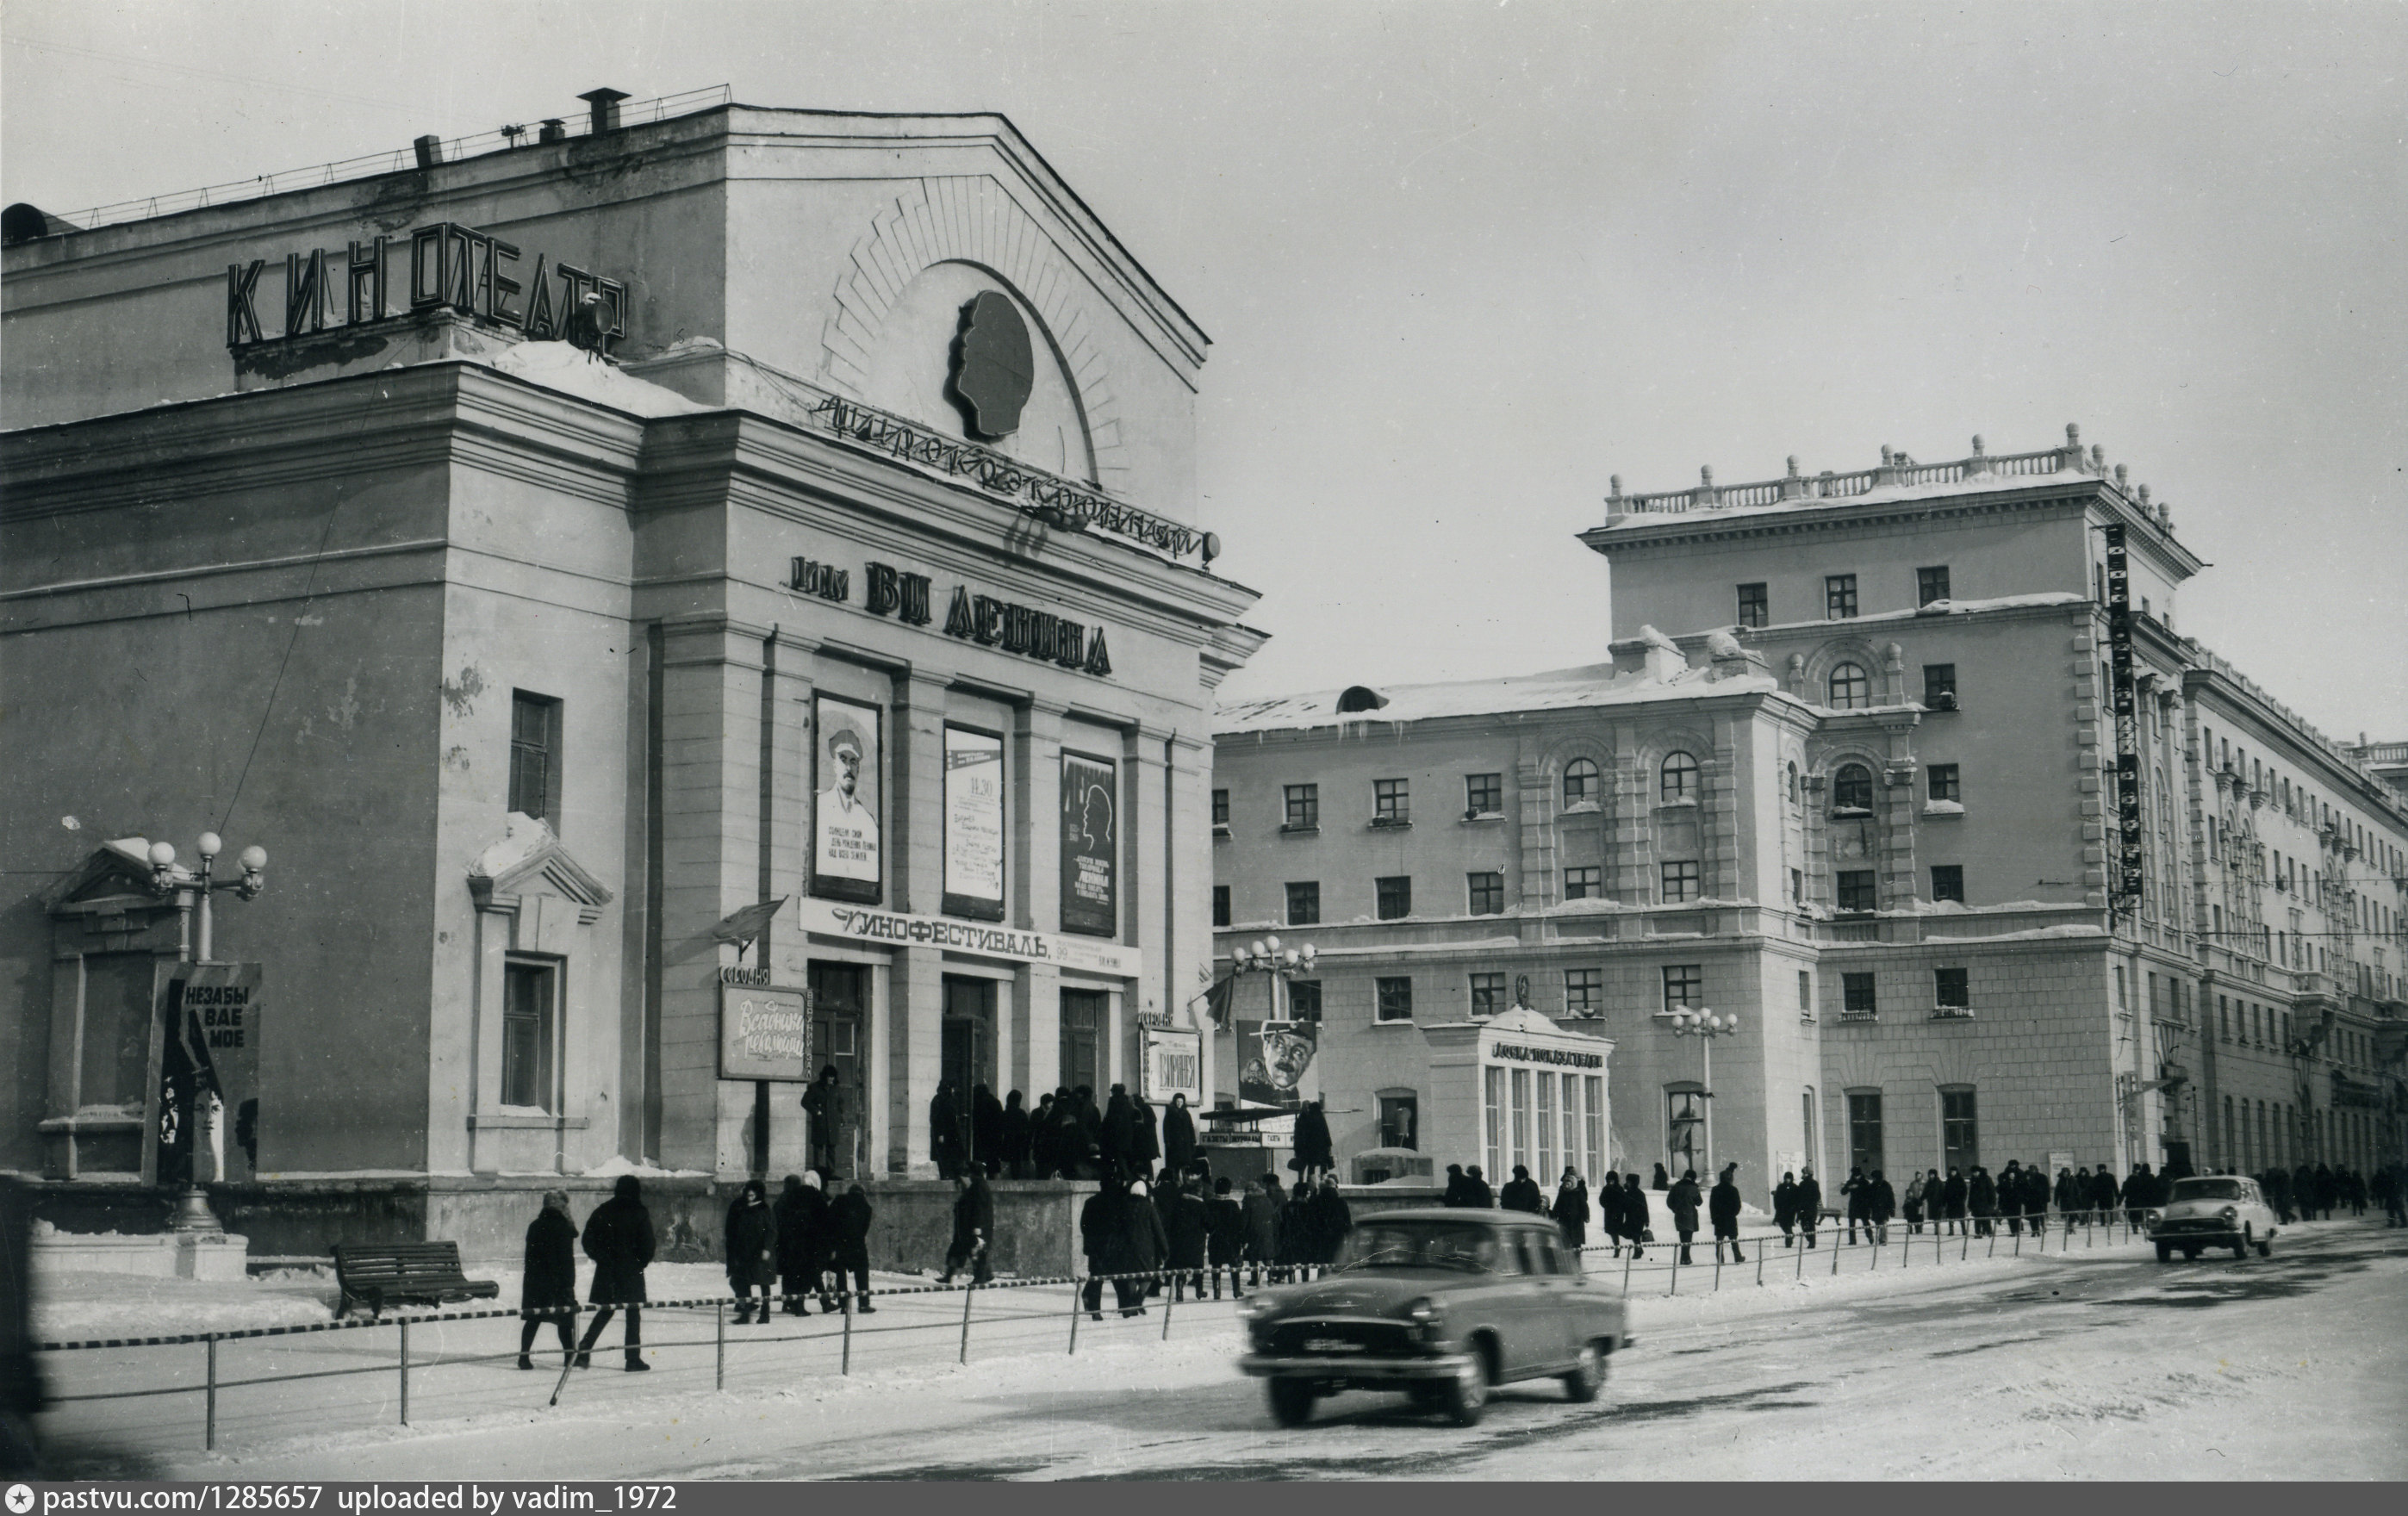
x=1257, y=1308
x=1429, y=1322
x=2231, y=1213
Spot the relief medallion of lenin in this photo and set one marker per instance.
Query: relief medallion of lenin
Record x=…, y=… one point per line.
x=993, y=366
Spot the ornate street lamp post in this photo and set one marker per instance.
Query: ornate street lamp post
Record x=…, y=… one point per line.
x=1265, y=956
x=193, y=889
x=1705, y=1025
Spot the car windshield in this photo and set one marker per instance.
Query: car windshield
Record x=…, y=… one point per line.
x=2207, y=1190
x=1420, y=1245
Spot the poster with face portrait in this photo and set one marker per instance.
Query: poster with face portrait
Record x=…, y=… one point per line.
x=973, y=824
x=1090, y=846
x=845, y=806
x=1275, y=1063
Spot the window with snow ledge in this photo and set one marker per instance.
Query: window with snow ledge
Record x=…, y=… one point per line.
x=1943, y=808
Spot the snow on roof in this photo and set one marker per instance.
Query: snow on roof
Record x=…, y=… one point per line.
x=1563, y=689
x=557, y=366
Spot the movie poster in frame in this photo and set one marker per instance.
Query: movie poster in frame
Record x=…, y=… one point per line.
x=1090, y=845
x=846, y=768
x=974, y=841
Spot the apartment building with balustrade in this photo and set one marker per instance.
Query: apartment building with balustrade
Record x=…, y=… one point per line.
x=1851, y=773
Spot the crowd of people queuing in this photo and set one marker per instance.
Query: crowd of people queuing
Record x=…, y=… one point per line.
x=1159, y=1221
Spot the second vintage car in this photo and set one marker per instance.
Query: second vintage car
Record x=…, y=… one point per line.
x=2216, y=1210
x=1442, y=1305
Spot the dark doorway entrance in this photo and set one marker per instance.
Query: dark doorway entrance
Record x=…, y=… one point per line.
x=968, y=1051
x=1083, y=1023
x=839, y=1017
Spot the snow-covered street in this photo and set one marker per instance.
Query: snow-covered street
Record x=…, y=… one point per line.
x=2096, y=1363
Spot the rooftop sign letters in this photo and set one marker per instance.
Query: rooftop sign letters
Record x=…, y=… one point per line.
x=974, y=618
x=450, y=266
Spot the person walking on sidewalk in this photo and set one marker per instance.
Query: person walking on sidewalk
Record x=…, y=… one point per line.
x=1722, y=1209
x=548, y=1292
x=1186, y=1229
x=1520, y=1193
x=1881, y=1203
x=1224, y=1238
x=1636, y=1221
x=1852, y=1200
x=1810, y=1203
x=973, y=1229
x=2139, y=1193
x=618, y=1239
x=1954, y=1194
x=1572, y=1210
x=751, y=1251
x=1785, y=1208
x=1982, y=1198
x=1609, y=1210
x=1914, y=1205
x=1685, y=1201
x=1098, y=1238
x=849, y=1216
x=1262, y=1206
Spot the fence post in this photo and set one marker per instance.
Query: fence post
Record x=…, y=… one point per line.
x=405, y=1371
x=1628, y=1259
x=719, y=1333
x=1800, y=1272
x=1676, y=1274
x=1759, y=1266
x=1993, y=1251
x=1835, y=1254
x=969, y=1291
x=209, y=1424
x=1718, y=1267
x=1167, y=1296
x=845, y=1365
x=1076, y=1289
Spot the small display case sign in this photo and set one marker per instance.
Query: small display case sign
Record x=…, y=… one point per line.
x=765, y=1030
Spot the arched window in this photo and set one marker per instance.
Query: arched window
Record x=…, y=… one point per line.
x=1580, y=783
x=1852, y=788
x=1679, y=779
x=1793, y=784
x=1851, y=690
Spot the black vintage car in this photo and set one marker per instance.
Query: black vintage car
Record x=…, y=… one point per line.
x=1442, y=1305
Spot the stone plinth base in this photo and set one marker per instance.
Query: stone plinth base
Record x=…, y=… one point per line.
x=212, y=1256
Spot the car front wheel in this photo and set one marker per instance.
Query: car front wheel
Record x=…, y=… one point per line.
x=1587, y=1376
x=2265, y=1247
x=1291, y=1401
x=1466, y=1393
x=2165, y=1252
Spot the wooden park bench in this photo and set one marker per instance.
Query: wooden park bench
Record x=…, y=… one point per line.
x=379, y=1274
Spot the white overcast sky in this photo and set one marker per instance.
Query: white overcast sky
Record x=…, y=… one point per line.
x=1461, y=262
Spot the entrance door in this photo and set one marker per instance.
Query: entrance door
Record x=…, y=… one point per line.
x=967, y=1049
x=839, y=1015
x=1083, y=1023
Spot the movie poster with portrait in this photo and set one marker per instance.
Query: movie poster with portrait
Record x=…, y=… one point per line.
x=845, y=764
x=1275, y=1063
x=1090, y=846
x=973, y=824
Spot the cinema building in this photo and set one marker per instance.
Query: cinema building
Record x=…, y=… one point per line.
x=682, y=602
x=1850, y=770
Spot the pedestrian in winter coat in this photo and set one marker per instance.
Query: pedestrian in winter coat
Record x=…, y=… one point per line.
x=946, y=1144
x=1685, y=1202
x=1637, y=1224
x=2011, y=1196
x=1332, y=1220
x=1145, y=1135
x=849, y=1217
x=1609, y=1209
x=752, y=1241
x=1262, y=1206
x=1297, y=1245
x=618, y=1239
x=1852, y=1199
x=973, y=1230
x=1881, y=1203
x=2036, y=1200
x=1312, y=1148
x=987, y=1131
x=1954, y=1195
x=801, y=1216
x=2328, y=1191
x=1143, y=1248
x=1178, y=1136
x=1454, y=1186
x=1091, y=1126
x=1982, y=1198
x=1520, y=1193
x=2139, y=1193
x=1722, y=1209
x=548, y=1289
x=1785, y=1208
x=829, y=1105
x=1810, y=1204
x=1224, y=1236
x=2068, y=1193
x=1118, y=1145
x=1475, y=1189
x=1913, y=1204
x=1098, y=1233
x=1572, y=1210
x=1186, y=1228
x=1663, y=1181
x=1016, y=1128
x=1075, y=1136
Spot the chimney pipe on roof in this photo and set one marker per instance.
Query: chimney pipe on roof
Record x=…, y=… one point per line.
x=606, y=108
x=430, y=151
x=553, y=130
